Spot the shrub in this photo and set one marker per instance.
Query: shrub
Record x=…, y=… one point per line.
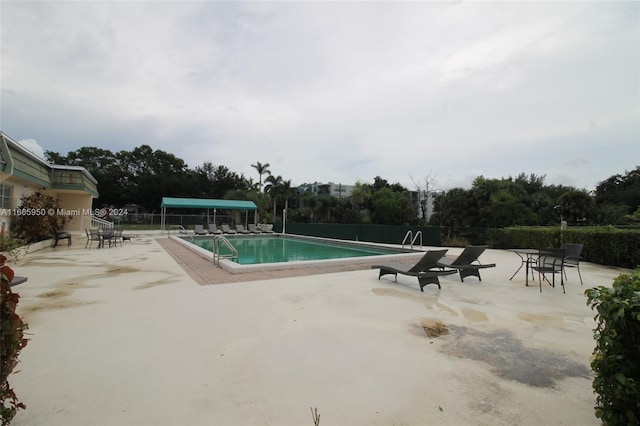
x=616, y=357
x=39, y=221
x=11, y=343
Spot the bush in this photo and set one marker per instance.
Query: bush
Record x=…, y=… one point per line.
x=616, y=357
x=39, y=221
x=11, y=343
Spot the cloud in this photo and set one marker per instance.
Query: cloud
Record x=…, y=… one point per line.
x=334, y=91
x=32, y=146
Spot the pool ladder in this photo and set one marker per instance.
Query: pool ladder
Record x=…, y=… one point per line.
x=216, y=250
x=412, y=240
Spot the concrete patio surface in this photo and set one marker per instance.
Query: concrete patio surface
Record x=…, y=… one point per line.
x=126, y=336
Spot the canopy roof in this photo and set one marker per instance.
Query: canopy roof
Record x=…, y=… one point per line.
x=208, y=203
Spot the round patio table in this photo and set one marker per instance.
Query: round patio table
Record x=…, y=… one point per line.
x=528, y=258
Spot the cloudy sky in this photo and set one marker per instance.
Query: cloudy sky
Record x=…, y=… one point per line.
x=334, y=91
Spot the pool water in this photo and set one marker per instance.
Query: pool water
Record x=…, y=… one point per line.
x=276, y=249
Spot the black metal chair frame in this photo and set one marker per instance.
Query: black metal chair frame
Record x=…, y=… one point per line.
x=550, y=261
x=572, y=258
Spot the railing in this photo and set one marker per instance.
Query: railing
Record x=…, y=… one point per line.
x=412, y=239
x=96, y=222
x=216, y=249
x=180, y=229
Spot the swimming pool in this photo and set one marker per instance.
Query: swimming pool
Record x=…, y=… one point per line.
x=269, y=252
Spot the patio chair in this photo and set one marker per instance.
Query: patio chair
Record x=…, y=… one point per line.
x=199, y=230
x=240, y=230
x=107, y=234
x=92, y=235
x=426, y=269
x=467, y=262
x=118, y=236
x=61, y=235
x=573, y=254
x=551, y=261
x=254, y=229
x=226, y=229
x=213, y=229
x=115, y=237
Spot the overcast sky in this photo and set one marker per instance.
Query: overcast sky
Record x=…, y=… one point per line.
x=334, y=91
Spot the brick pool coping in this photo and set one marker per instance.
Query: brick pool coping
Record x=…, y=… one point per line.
x=204, y=272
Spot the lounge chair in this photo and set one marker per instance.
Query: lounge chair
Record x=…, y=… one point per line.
x=226, y=229
x=213, y=229
x=253, y=229
x=426, y=269
x=266, y=229
x=240, y=230
x=199, y=230
x=467, y=262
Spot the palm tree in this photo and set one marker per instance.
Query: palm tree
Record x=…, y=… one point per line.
x=273, y=188
x=262, y=169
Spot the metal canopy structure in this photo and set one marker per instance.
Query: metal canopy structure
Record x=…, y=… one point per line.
x=203, y=203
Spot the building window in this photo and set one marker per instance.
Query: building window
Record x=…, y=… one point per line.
x=5, y=196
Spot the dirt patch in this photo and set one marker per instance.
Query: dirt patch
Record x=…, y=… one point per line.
x=434, y=328
x=510, y=359
x=51, y=306
x=120, y=270
x=156, y=283
x=54, y=294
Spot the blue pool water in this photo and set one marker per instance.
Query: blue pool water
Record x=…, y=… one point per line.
x=277, y=248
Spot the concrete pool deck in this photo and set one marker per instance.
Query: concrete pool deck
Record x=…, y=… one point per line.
x=126, y=336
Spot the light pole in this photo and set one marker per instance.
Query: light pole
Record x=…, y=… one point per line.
x=561, y=218
x=561, y=224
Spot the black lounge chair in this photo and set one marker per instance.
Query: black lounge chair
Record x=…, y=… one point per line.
x=426, y=269
x=467, y=262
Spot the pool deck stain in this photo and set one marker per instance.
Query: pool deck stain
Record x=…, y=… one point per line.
x=143, y=319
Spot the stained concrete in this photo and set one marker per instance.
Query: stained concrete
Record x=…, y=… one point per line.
x=124, y=336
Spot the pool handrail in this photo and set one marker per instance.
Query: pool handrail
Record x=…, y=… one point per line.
x=412, y=239
x=216, y=249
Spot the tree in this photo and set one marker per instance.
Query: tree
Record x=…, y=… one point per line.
x=427, y=186
x=577, y=206
x=391, y=207
x=262, y=169
x=273, y=188
x=505, y=209
x=620, y=190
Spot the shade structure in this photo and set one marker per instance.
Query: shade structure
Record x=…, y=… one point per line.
x=203, y=203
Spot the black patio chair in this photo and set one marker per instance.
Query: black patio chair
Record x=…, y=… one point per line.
x=551, y=261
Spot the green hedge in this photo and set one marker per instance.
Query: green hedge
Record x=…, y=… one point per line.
x=602, y=245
